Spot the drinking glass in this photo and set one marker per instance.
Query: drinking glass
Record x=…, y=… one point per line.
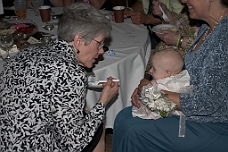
x=6, y=42
x=20, y=8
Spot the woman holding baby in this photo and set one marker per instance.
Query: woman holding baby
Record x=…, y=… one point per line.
x=205, y=109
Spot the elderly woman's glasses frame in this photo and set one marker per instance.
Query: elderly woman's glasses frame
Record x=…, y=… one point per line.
x=102, y=45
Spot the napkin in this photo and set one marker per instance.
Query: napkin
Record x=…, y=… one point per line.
x=12, y=50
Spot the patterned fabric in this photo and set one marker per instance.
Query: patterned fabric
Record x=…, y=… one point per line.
x=184, y=29
x=208, y=69
x=42, y=94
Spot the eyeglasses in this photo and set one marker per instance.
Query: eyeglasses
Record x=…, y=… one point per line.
x=100, y=44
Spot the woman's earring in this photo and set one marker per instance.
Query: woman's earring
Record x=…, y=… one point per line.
x=78, y=51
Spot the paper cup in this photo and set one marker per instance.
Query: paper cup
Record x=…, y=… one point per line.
x=119, y=13
x=45, y=13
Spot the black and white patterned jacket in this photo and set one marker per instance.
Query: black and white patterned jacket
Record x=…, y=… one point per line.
x=42, y=96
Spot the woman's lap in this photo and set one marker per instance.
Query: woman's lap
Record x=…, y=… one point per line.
x=133, y=134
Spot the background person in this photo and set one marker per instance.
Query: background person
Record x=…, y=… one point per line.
x=97, y=3
x=53, y=3
x=205, y=108
x=56, y=3
x=62, y=3
x=43, y=89
x=141, y=12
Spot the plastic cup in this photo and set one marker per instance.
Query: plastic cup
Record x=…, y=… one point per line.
x=35, y=6
x=45, y=13
x=20, y=9
x=119, y=13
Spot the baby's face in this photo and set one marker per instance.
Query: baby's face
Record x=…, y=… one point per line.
x=158, y=73
x=157, y=70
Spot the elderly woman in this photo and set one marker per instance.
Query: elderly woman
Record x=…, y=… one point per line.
x=43, y=89
x=205, y=109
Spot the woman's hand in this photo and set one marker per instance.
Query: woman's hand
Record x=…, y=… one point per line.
x=169, y=37
x=174, y=97
x=137, y=17
x=126, y=14
x=158, y=12
x=135, y=98
x=109, y=91
x=156, y=9
x=143, y=82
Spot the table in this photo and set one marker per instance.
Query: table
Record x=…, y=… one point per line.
x=37, y=19
x=131, y=45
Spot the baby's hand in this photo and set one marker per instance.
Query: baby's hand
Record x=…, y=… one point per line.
x=153, y=82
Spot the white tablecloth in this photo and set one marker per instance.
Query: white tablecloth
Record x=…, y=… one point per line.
x=131, y=44
x=37, y=19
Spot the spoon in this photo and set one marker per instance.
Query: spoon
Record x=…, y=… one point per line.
x=164, y=16
x=100, y=82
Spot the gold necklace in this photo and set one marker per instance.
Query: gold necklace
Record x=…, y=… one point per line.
x=207, y=33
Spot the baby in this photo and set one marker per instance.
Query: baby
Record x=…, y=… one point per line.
x=167, y=73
